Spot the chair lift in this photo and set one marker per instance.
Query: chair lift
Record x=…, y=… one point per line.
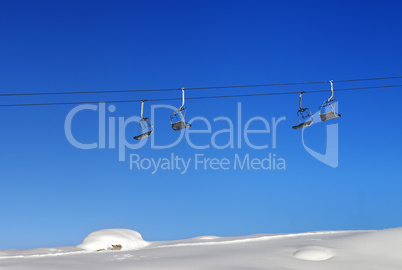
x=177, y=120
x=327, y=109
x=145, y=125
x=304, y=116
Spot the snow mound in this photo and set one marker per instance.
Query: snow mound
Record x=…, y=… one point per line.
x=314, y=254
x=206, y=237
x=113, y=239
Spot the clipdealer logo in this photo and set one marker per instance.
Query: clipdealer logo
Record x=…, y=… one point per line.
x=112, y=135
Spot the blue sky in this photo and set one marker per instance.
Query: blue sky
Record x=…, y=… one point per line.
x=53, y=194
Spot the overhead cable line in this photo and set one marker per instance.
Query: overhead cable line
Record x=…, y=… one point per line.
x=190, y=88
x=205, y=97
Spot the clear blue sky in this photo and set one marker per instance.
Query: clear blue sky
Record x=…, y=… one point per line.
x=53, y=194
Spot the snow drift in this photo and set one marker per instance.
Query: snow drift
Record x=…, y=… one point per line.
x=329, y=250
x=314, y=254
x=113, y=239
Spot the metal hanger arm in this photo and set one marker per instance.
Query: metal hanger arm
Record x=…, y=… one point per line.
x=332, y=90
x=182, y=105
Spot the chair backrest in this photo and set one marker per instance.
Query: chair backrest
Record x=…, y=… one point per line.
x=179, y=125
x=304, y=115
x=328, y=116
x=146, y=125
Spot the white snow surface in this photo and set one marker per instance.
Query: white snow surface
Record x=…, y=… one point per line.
x=330, y=250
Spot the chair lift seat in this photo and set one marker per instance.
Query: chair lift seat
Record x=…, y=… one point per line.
x=303, y=125
x=180, y=125
x=329, y=115
x=144, y=135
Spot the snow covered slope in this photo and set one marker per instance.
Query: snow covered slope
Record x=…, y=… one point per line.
x=315, y=250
